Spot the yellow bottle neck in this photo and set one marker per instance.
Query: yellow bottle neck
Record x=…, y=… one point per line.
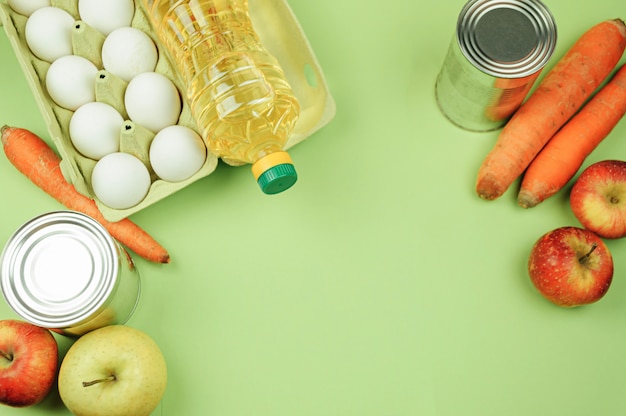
x=269, y=161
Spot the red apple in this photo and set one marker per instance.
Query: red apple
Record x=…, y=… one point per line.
x=598, y=198
x=571, y=266
x=28, y=363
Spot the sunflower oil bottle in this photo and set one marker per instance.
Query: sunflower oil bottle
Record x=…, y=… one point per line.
x=237, y=91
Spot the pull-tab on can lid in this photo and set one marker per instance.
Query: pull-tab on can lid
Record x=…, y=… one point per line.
x=507, y=39
x=58, y=269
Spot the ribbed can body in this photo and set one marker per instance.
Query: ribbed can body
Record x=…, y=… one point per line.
x=63, y=271
x=497, y=53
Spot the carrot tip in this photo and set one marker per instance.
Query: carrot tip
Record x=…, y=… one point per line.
x=526, y=199
x=4, y=133
x=488, y=188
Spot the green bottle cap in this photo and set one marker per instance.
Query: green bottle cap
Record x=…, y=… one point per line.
x=278, y=178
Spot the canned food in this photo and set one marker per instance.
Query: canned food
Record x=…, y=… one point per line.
x=63, y=271
x=499, y=50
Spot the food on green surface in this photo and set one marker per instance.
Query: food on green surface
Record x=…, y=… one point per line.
x=238, y=92
x=128, y=52
x=39, y=163
x=565, y=153
x=48, y=33
x=28, y=363
x=598, y=198
x=559, y=95
x=106, y=16
x=71, y=81
x=120, y=180
x=570, y=267
x=115, y=370
x=95, y=129
x=152, y=101
x=86, y=111
x=176, y=153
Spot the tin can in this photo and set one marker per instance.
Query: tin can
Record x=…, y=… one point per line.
x=497, y=53
x=63, y=271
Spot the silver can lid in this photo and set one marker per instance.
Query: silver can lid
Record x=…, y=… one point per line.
x=59, y=268
x=507, y=39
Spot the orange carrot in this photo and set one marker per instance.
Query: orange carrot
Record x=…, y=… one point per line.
x=561, y=158
x=558, y=96
x=39, y=163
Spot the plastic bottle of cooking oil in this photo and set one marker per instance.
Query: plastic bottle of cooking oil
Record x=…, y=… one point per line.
x=237, y=92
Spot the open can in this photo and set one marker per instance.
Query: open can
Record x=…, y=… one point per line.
x=63, y=271
x=497, y=53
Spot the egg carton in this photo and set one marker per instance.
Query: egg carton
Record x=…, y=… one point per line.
x=280, y=33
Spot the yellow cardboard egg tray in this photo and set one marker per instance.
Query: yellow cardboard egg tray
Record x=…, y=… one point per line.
x=280, y=33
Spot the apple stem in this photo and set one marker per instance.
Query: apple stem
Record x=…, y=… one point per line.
x=7, y=356
x=586, y=256
x=101, y=380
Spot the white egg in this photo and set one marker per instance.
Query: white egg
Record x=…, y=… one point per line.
x=120, y=180
x=176, y=153
x=27, y=7
x=127, y=52
x=152, y=101
x=95, y=129
x=71, y=81
x=106, y=16
x=48, y=33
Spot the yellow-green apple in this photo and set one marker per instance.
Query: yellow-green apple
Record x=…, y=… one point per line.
x=571, y=266
x=28, y=363
x=598, y=198
x=116, y=370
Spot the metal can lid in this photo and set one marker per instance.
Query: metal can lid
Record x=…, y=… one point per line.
x=507, y=39
x=59, y=268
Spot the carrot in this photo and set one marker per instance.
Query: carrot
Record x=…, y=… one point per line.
x=561, y=158
x=558, y=96
x=39, y=163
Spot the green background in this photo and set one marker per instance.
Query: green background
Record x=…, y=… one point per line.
x=380, y=285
